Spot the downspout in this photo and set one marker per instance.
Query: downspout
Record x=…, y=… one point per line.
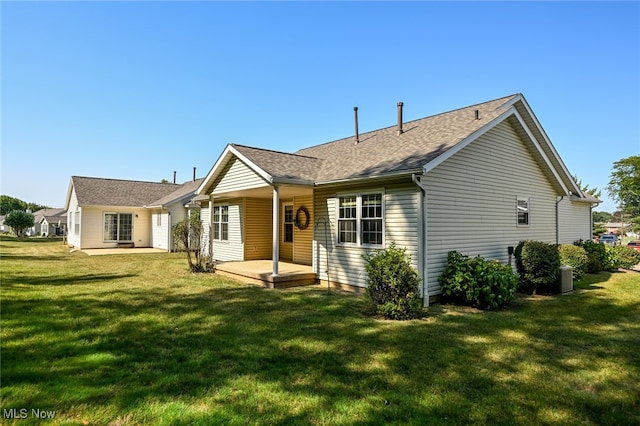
x=558, y=220
x=422, y=239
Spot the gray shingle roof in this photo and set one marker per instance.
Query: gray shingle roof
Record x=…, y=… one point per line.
x=114, y=192
x=281, y=164
x=184, y=191
x=384, y=151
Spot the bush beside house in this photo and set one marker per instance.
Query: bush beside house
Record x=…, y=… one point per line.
x=485, y=284
x=392, y=283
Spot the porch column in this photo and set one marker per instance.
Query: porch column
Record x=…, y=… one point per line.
x=276, y=230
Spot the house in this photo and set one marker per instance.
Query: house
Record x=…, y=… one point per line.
x=38, y=215
x=109, y=213
x=55, y=225
x=477, y=179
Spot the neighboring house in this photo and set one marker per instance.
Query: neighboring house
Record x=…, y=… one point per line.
x=3, y=227
x=477, y=179
x=617, y=228
x=107, y=213
x=53, y=225
x=38, y=215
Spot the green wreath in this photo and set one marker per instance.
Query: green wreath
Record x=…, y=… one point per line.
x=302, y=225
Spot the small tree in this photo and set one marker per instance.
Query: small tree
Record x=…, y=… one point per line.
x=392, y=283
x=188, y=235
x=19, y=221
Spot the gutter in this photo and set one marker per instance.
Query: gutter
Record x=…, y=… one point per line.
x=372, y=177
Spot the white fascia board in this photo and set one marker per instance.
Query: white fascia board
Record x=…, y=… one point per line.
x=551, y=147
x=466, y=141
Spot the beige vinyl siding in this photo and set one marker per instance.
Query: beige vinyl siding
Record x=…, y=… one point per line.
x=346, y=265
x=233, y=249
x=303, y=239
x=92, y=226
x=237, y=176
x=258, y=228
x=575, y=221
x=471, y=201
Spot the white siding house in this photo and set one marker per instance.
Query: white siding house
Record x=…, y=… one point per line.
x=477, y=179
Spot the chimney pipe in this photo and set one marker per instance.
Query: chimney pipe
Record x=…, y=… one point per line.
x=400, y=104
x=355, y=116
x=194, y=174
x=174, y=176
x=477, y=114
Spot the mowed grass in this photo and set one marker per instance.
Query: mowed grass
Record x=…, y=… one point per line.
x=136, y=339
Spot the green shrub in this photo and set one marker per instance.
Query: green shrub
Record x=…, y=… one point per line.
x=486, y=284
x=597, y=255
x=538, y=264
x=576, y=257
x=393, y=285
x=623, y=257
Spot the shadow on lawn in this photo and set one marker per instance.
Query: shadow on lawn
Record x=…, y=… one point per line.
x=250, y=353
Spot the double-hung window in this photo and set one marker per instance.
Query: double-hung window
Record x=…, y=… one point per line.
x=221, y=223
x=522, y=209
x=288, y=223
x=118, y=227
x=361, y=219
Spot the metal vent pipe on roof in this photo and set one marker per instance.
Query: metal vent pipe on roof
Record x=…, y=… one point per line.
x=400, y=104
x=194, y=174
x=174, y=176
x=477, y=114
x=355, y=117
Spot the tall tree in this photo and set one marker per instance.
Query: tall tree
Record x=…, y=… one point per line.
x=585, y=188
x=601, y=217
x=624, y=183
x=19, y=220
x=624, y=188
x=9, y=204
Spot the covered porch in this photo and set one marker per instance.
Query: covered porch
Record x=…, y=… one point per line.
x=260, y=272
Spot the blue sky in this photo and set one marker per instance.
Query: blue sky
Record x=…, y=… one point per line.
x=136, y=90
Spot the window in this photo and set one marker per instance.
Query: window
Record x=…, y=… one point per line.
x=76, y=225
x=221, y=223
x=288, y=223
x=118, y=227
x=523, y=211
x=360, y=219
x=372, y=219
x=159, y=219
x=347, y=219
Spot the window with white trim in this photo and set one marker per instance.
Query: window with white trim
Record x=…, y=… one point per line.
x=76, y=225
x=288, y=223
x=118, y=227
x=361, y=219
x=221, y=222
x=522, y=208
x=159, y=219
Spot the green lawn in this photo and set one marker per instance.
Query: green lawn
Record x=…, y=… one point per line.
x=126, y=340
